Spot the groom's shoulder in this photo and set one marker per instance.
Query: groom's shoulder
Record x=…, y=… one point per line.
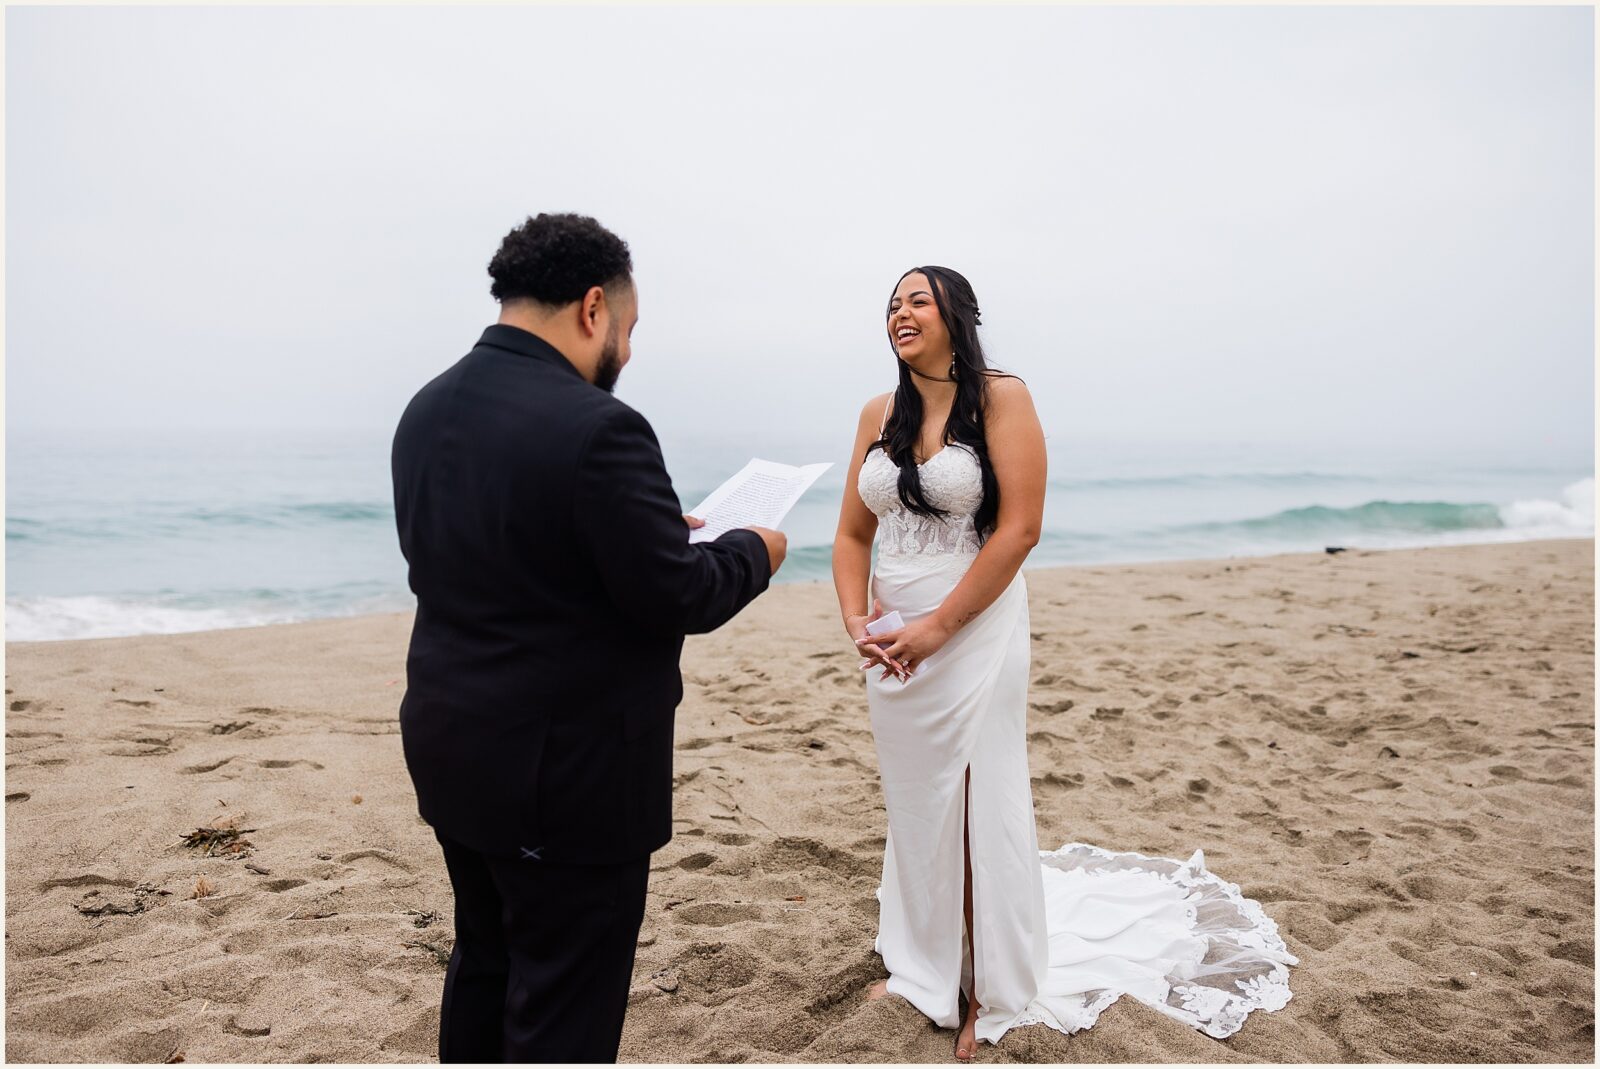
x=604, y=410
x=570, y=404
x=586, y=417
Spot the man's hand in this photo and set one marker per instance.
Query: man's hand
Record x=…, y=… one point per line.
x=777, y=545
x=694, y=522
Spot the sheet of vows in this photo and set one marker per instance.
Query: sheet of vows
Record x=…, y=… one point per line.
x=760, y=495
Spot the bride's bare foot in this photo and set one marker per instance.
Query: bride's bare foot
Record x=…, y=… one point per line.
x=879, y=989
x=967, y=1038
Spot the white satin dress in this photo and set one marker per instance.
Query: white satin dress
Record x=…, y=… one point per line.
x=1057, y=936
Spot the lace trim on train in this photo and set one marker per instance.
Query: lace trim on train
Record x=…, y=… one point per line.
x=1246, y=963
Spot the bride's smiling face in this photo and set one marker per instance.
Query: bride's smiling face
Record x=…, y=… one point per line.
x=916, y=329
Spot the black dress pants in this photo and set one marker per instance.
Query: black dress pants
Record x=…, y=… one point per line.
x=543, y=958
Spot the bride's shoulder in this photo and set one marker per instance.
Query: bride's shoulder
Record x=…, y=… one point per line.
x=872, y=411
x=1004, y=387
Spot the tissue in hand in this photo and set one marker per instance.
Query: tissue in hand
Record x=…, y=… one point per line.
x=888, y=622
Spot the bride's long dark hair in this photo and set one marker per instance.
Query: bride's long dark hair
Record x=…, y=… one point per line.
x=958, y=307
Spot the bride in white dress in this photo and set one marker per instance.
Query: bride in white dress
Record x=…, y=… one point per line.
x=949, y=473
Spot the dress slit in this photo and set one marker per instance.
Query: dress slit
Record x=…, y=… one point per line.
x=968, y=982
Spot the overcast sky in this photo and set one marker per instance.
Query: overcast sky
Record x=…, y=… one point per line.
x=1237, y=221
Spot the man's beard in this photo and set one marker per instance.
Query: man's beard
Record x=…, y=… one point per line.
x=610, y=365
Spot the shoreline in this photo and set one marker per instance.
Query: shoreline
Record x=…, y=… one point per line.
x=780, y=583
x=1392, y=751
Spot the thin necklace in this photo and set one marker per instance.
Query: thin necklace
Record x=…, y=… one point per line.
x=930, y=378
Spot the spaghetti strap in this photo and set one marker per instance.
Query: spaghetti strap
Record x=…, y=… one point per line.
x=884, y=423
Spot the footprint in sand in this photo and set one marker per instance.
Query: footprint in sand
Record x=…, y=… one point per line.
x=1384, y=888
x=1425, y=886
x=696, y=862
x=377, y=855
x=1459, y=828
x=234, y=1027
x=713, y=969
x=1577, y=951
x=212, y=766
x=1344, y=847
x=716, y=914
x=383, y=725
x=794, y=854
x=1343, y=912
x=146, y=746
x=1360, y=782
x=279, y=886
x=1415, y=830
x=1067, y=781
x=87, y=879
x=289, y=763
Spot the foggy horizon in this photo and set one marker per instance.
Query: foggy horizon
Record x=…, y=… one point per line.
x=1245, y=223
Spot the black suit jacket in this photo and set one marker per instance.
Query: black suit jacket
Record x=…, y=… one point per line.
x=555, y=582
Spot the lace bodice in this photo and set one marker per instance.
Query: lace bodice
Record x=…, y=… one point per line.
x=951, y=480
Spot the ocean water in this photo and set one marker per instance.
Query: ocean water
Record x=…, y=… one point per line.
x=131, y=533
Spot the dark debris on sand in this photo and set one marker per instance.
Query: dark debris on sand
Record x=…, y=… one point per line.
x=98, y=903
x=224, y=838
x=441, y=953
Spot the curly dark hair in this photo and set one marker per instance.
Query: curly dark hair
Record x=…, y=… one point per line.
x=556, y=258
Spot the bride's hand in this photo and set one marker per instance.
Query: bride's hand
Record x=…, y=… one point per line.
x=868, y=646
x=913, y=643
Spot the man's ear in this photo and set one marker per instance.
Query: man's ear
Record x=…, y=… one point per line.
x=589, y=310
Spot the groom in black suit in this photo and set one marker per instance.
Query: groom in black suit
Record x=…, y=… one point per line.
x=555, y=582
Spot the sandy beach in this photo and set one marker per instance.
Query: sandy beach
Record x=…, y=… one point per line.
x=1392, y=751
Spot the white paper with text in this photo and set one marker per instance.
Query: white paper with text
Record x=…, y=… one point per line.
x=760, y=495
